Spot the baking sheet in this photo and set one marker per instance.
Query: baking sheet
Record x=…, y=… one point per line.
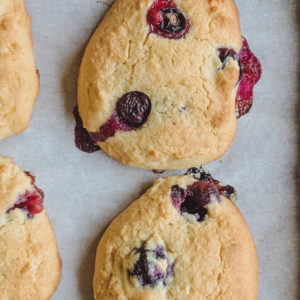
x=84, y=192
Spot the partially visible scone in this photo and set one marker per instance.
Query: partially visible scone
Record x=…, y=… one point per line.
x=184, y=239
x=30, y=266
x=19, y=82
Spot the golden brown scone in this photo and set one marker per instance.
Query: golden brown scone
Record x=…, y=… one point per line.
x=186, y=114
x=30, y=266
x=19, y=83
x=183, y=239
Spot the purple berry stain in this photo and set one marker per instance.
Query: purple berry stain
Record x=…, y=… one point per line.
x=250, y=73
x=148, y=268
x=31, y=201
x=83, y=140
x=194, y=199
x=166, y=20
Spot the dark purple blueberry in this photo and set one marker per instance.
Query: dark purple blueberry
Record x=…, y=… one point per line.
x=134, y=108
x=166, y=20
x=82, y=139
x=195, y=198
x=148, y=273
x=199, y=194
x=173, y=20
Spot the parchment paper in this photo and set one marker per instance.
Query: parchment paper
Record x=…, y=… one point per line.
x=84, y=192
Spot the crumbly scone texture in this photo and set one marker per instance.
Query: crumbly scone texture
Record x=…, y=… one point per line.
x=192, y=120
x=19, y=83
x=30, y=266
x=214, y=259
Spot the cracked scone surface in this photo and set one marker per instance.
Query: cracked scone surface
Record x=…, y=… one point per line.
x=185, y=259
x=30, y=266
x=192, y=119
x=19, y=83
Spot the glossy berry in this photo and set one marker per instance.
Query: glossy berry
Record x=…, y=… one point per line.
x=146, y=268
x=173, y=20
x=82, y=139
x=166, y=20
x=30, y=201
x=134, y=108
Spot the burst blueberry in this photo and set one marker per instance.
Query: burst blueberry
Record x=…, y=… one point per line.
x=166, y=20
x=147, y=268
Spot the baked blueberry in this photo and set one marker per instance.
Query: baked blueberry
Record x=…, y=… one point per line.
x=132, y=111
x=166, y=20
x=134, y=108
x=194, y=198
x=153, y=266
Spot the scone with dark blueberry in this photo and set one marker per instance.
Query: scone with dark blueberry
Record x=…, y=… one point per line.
x=183, y=239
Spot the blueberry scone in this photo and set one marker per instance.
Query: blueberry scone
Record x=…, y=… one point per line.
x=19, y=83
x=161, y=83
x=30, y=266
x=183, y=239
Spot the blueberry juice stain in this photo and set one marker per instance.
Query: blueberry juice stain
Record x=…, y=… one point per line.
x=250, y=74
x=131, y=112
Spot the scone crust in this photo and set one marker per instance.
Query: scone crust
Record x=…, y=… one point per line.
x=30, y=265
x=19, y=83
x=192, y=120
x=215, y=259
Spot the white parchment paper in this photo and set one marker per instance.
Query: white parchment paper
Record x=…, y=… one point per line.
x=84, y=192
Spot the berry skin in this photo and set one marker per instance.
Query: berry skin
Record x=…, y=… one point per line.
x=167, y=21
x=134, y=108
x=194, y=198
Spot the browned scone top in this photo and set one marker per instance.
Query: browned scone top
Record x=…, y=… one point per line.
x=19, y=83
x=30, y=265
